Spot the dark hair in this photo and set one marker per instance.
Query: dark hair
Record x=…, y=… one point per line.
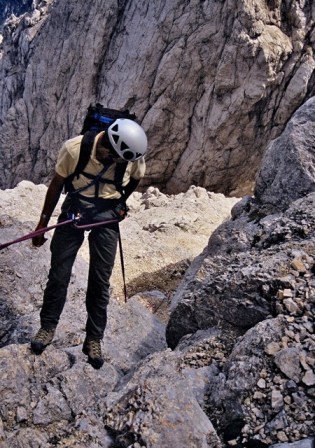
x=107, y=144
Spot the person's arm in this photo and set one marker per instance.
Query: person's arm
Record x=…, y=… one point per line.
x=51, y=200
x=136, y=174
x=130, y=188
x=122, y=209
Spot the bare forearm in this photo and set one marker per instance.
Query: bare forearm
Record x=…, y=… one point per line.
x=130, y=187
x=52, y=198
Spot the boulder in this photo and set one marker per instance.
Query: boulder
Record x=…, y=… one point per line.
x=159, y=410
x=287, y=171
x=241, y=276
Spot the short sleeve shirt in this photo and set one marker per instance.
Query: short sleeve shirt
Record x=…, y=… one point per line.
x=67, y=161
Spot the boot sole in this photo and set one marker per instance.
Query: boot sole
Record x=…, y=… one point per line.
x=95, y=362
x=38, y=349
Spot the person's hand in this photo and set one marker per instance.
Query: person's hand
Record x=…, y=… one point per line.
x=39, y=240
x=121, y=211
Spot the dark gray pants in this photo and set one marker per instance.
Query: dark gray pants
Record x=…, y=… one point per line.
x=65, y=244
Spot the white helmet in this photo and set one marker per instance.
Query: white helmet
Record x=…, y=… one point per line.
x=128, y=139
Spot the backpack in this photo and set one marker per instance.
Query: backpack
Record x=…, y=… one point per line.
x=98, y=118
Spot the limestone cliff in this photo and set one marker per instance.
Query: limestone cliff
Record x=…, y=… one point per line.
x=212, y=83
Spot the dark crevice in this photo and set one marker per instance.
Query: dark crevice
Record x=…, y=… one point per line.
x=123, y=439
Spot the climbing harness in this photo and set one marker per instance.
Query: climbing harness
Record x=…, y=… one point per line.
x=84, y=156
x=74, y=220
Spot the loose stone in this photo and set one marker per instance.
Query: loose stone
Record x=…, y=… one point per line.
x=261, y=383
x=309, y=378
x=276, y=400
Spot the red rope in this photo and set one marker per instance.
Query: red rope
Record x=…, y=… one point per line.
x=46, y=229
x=34, y=234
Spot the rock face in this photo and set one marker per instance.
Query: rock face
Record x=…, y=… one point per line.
x=242, y=269
x=211, y=82
x=257, y=274
x=280, y=182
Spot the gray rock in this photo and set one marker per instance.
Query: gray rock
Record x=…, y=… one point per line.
x=14, y=7
x=309, y=378
x=52, y=408
x=279, y=422
x=224, y=289
x=26, y=437
x=198, y=379
x=255, y=391
x=287, y=170
x=159, y=410
x=287, y=360
x=240, y=275
x=306, y=443
x=276, y=400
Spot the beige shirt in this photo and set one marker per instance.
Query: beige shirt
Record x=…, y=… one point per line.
x=67, y=161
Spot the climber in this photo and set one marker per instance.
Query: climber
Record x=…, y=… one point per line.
x=98, y=192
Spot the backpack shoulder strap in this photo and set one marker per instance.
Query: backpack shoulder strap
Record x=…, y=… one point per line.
x=84, y=156
x=85, y=151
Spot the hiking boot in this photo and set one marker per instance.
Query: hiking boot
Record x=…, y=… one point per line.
x=41, y=340
x=92, y=348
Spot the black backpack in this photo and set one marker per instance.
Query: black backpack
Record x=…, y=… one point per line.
x=98, y=118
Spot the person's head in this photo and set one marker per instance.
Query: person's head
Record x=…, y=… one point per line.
x=127, y=139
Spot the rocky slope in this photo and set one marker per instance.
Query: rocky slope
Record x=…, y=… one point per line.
x=160, y=238
x=211, y=82
x=240, y=367
x=257, y=274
